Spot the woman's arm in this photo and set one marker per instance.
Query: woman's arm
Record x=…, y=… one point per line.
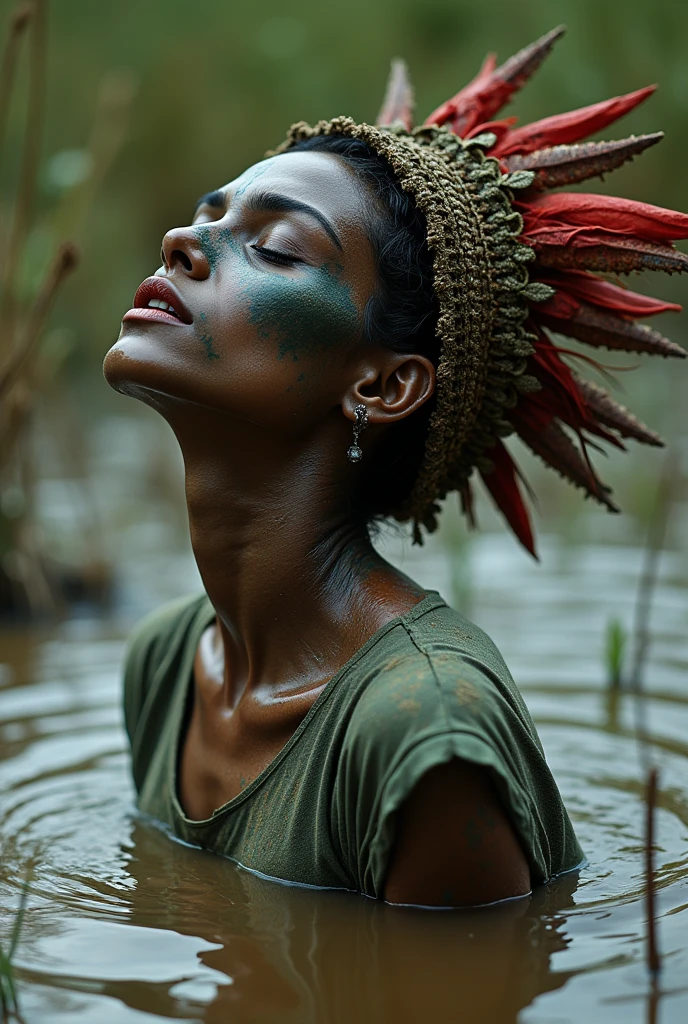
x=455, y=846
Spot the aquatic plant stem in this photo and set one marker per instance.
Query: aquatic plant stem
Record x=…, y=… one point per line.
x=654, y=962
x=9, y=1001
x=65, y=261
x=653, y=549
x=655, y=543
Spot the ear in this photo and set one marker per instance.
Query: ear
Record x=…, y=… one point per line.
x=392, y=388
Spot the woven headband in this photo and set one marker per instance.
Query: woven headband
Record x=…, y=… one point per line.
x=512, y=260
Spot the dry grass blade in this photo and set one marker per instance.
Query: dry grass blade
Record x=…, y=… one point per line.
x=18, y=23
x=65, y=261
x=23, y=209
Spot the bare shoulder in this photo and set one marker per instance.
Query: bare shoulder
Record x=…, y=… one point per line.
x=455, y=844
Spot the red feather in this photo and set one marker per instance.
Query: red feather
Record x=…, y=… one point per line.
x=572, y=126
x=599, y=328
x=498, y=128
x=579, y=285
x=502, y=484
x=560, y=210
x=560, y=395
x=596, y=249
x=398, y=102
x=546, y=437
x=566, y=165
x=463, y=110
x=492, y=87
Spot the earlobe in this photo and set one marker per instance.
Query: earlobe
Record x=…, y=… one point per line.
x=392, y=391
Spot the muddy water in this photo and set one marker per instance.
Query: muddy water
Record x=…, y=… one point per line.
x=126, y=925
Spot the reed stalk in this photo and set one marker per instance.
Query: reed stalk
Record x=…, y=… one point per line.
x=18, y=23
x=655, y=543
x=33, y=138
x=654, y=962
x=656, y=535
x=64, y=263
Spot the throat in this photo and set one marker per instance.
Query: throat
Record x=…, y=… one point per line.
x=223, y=751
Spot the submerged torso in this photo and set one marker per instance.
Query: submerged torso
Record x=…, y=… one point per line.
x=427, y=687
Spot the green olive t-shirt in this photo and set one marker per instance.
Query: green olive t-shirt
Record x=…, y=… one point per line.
x=425, y=688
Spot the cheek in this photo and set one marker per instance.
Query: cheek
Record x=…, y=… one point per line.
x=303, y=317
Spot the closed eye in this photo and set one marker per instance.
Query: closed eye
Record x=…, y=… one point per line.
x=283, y=259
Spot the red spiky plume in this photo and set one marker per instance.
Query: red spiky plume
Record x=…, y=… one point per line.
x=572, y=235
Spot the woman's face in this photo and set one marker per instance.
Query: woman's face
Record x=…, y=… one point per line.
x=267, y=287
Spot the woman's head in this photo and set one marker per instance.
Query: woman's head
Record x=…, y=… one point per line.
x=300, y=290
x=423, y=307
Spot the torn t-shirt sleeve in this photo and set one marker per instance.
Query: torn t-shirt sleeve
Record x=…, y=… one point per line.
x=427, y=709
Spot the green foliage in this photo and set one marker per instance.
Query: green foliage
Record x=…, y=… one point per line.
x=615, y=650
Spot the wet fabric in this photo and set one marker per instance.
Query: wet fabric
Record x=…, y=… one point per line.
x=427, y=687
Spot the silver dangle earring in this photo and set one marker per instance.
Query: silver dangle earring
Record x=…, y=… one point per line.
x=355, y=453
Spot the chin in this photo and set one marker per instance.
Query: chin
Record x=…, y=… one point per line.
x=146, y=366
x=138, y=362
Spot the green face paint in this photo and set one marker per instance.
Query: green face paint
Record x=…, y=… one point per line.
x=215, y=242
x=207, y=341
x=304, y=317
x=252, y=174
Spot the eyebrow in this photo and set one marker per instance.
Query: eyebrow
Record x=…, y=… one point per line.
x=215, y=199
x=274, y=202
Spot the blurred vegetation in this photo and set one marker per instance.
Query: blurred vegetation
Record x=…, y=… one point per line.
x=218, y=84
x=35, y=259
x=615, y=651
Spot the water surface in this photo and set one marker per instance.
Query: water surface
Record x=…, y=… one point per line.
x=127, y=925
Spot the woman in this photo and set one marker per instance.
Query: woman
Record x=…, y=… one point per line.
x=344, y=333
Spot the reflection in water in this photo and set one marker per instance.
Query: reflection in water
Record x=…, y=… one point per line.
x=127, y=925
x=302, y=955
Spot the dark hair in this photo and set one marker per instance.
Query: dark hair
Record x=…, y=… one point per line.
x=401, y=314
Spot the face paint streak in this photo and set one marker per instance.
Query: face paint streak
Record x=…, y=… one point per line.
x=256, y=174
x=207, y=341
x=214, y=242
x=305, y=318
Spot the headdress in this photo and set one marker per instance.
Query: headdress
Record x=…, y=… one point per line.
x=512, y=261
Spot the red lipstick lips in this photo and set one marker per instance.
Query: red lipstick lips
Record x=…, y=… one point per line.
x=156, y=300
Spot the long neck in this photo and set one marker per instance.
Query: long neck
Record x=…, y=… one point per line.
x=297, y=587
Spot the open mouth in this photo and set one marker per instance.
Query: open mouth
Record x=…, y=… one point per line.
x=156, y=299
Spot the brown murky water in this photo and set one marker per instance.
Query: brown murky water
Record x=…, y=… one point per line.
x=127, y=925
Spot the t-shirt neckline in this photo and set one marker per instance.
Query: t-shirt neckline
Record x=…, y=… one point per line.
x=429, y=602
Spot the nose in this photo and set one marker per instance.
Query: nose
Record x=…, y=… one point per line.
x=181, y=251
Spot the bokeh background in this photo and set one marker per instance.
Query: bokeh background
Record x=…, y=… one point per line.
x=148, y=105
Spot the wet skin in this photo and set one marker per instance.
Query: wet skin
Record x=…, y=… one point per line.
x=259, y=381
